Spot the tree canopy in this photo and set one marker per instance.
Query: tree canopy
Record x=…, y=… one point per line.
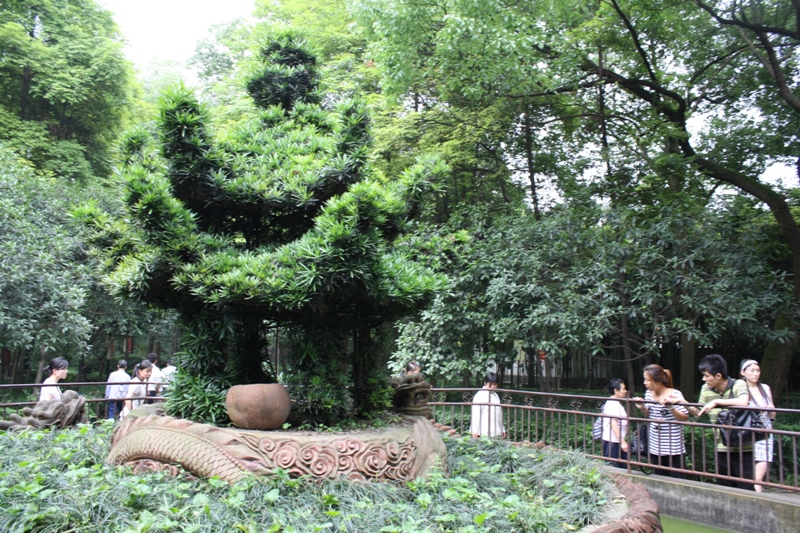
x=282, y=221
x=65, y=87
x=686, y=97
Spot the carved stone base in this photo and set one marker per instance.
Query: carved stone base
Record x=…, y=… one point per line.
x=400, y=453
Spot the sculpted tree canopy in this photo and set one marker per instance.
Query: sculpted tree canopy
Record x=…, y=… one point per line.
x=279, y=223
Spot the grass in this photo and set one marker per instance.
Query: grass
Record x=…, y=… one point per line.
x=56, y=481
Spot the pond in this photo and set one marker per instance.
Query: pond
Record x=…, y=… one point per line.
x=676, y=525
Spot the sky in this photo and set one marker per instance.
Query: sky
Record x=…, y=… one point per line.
x=169, y=29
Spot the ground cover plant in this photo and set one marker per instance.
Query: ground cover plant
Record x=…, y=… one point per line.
x=58, y=482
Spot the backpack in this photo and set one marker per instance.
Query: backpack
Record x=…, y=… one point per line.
x=597, y=429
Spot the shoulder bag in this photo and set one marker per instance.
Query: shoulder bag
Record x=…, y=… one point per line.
x=746, y=422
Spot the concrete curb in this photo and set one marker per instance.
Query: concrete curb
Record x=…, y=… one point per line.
x=722, y=507
x=642, y=511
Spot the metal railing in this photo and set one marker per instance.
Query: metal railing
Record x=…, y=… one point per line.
x=565, y=421
x=562, y=421
x=100, y=402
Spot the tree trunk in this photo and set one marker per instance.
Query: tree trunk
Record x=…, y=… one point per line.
x=631, y=376
x=688, y=361
x=16, y=356
x=27, y=77
x=777, y=361
x=531, y=170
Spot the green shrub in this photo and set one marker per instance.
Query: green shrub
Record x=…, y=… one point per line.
x=57, y=481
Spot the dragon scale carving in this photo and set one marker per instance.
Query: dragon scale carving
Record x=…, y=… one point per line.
x=160, y=443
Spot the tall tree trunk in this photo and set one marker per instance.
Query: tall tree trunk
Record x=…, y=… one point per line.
x=531, y=170
x=250, y=345
x=27, y=77
x=631, y=375
x=777, y=361
x=688, y=362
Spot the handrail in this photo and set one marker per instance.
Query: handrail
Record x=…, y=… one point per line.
x=570, y=427
x=77, y=385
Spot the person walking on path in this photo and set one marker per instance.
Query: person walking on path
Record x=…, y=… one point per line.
x=665, y=436
x=118, y=392
x=137, y=390
x=615, y=423
x=487, y=419
x=167, y=375
x=58, y=369
x=156, y=377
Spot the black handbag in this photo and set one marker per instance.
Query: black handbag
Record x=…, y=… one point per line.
x=747, y=423
x=638, y=445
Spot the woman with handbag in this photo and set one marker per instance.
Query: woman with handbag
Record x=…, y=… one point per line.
x=760, y=396
x=615, y=423
x=665, y=438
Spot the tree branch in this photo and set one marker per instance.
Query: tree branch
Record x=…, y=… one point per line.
x=758, y=28
x=774, y=68
x=637, y=43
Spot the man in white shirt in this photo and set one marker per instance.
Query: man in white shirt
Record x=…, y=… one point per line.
x=117, y=392
x=154, y=388
x=168, y=374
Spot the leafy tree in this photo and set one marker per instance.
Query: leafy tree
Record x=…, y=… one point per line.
x=64, y=85
x=605, y=280
x=282, y=222
x=51, y=303
x=42, y=288
x=632, y=74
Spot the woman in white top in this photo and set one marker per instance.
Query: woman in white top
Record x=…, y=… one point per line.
x=58, y=371
x=665, y=437
x=615, y=423
x=760, y=396
x=487, y=419
x=137, y=391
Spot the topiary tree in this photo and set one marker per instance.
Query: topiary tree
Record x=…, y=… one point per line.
x=281, y=222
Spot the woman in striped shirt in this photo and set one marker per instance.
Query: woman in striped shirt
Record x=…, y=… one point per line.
x=665, y=437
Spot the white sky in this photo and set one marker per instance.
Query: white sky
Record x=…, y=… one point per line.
x=169, y=29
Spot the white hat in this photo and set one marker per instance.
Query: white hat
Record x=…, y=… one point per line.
x=746, y=363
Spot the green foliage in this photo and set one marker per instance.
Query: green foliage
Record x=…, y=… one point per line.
x=199, y=398
x=281, y=222
x=57, y=481
x=65, y=87
x=318, y=400
x=592, y=279
x=43, y=287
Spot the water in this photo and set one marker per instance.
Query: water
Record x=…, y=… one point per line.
x=676, y=525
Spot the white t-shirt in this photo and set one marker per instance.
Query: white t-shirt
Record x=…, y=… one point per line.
x=117, y=391
x=155, y=378
x=168, y=374
x=135, y=388
x=615, y=409
x=49, y=393
x=487, y=420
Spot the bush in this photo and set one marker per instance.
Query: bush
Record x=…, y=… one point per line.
x=56, y=481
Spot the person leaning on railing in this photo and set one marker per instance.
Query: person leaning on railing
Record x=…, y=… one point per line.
x=137, y=391
x=760, y=395
x=58, y=369
x=720, y=391
x=615, y=423
x=665, y=437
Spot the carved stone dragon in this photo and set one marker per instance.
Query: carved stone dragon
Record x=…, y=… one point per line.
x=163, y=443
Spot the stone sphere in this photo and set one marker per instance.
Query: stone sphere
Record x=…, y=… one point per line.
x=258, y=406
